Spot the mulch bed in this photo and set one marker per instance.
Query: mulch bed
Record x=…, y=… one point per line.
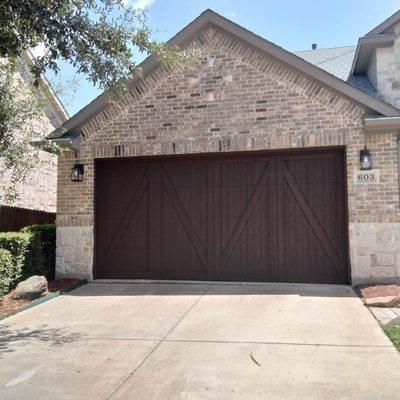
x=370, y=291
x=9, y=306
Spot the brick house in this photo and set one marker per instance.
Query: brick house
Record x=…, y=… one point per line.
x=37, y=196
x=242, y=167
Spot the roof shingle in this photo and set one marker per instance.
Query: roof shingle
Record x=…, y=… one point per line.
x=338, y=61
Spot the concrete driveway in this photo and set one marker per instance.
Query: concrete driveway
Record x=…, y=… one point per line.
x=198, y=341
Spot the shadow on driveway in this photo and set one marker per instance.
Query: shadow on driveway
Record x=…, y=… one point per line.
x=173, y=288
x=51, y=336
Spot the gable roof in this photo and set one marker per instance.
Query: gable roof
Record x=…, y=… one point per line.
x=381, y=36
x=209, y=17
x=386, y=26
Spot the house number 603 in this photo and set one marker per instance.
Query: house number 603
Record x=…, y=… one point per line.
x=366, y=177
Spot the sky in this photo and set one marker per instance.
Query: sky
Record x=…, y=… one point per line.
x=291, y=24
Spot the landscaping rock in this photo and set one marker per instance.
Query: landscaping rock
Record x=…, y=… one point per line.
x=32, y=288
x=386, y=301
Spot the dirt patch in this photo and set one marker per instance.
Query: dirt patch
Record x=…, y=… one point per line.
x=59, y=284
x=370, y=291
x=9, y=306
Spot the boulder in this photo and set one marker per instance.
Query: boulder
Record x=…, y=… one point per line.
x=32, y=288
x=385, y=301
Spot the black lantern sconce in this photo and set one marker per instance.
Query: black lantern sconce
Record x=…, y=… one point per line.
x=77, y=171
x=365, y=159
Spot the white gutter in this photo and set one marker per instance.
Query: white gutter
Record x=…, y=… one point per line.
x=73, y=143
x=387, y=124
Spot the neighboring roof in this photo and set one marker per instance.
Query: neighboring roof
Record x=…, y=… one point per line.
x=72, y=126
x=55, y=105
x=386, y=26
x=337, y=60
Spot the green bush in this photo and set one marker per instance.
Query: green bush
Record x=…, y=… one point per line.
x=17, y=244
x=41, y=257
x=8, y=273
x=28, y=252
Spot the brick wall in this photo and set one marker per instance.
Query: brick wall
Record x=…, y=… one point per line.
x=39, y=191
x=235, y=99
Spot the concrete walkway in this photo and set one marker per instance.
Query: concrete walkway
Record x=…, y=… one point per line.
x=198, y=341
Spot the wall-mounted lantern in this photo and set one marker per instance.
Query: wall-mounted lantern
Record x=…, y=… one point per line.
x=365, y=159
x=77, y=172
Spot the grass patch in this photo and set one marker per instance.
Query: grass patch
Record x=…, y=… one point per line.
x=393, y=331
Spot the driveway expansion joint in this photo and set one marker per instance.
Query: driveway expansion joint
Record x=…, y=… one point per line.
x=158, y=344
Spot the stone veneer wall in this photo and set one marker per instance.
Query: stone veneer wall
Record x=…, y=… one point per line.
x=236, y=99
x=386, y=64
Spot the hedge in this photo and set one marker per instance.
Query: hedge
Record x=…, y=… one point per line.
x=8, y=273
x=41, y=258
x=14, y=245
x=32, y=252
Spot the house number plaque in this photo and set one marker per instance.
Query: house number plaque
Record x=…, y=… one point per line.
x=368, y=177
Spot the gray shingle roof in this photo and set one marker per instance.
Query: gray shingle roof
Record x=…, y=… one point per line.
x=363, y=83
x=338, y=62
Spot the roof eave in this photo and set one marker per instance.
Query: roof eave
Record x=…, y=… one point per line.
x=365, y=46
x=47, y=89
x=385, y=24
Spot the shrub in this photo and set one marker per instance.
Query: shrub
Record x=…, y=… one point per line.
x=8, y=272
x=28, y=252
x=17, y=244
x=41, y=256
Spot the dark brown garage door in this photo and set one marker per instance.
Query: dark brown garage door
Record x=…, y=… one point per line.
x=241, y=217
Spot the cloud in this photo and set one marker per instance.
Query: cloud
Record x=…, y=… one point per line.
x=139, y=4
x=231, y=14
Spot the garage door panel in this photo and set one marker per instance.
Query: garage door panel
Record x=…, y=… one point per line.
x=253, y=256
x=302, y=257
x=320, y=180
x=175, y=242
x=241, y=187
x=187, y=185
x=308, y=250
x=125, y=219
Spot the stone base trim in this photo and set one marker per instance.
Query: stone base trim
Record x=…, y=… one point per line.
x=375, y=252
x=74, y=253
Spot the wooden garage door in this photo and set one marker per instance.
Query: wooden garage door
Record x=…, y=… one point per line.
x=240, y=217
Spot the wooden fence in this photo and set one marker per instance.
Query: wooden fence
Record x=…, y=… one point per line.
x=14, y=218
